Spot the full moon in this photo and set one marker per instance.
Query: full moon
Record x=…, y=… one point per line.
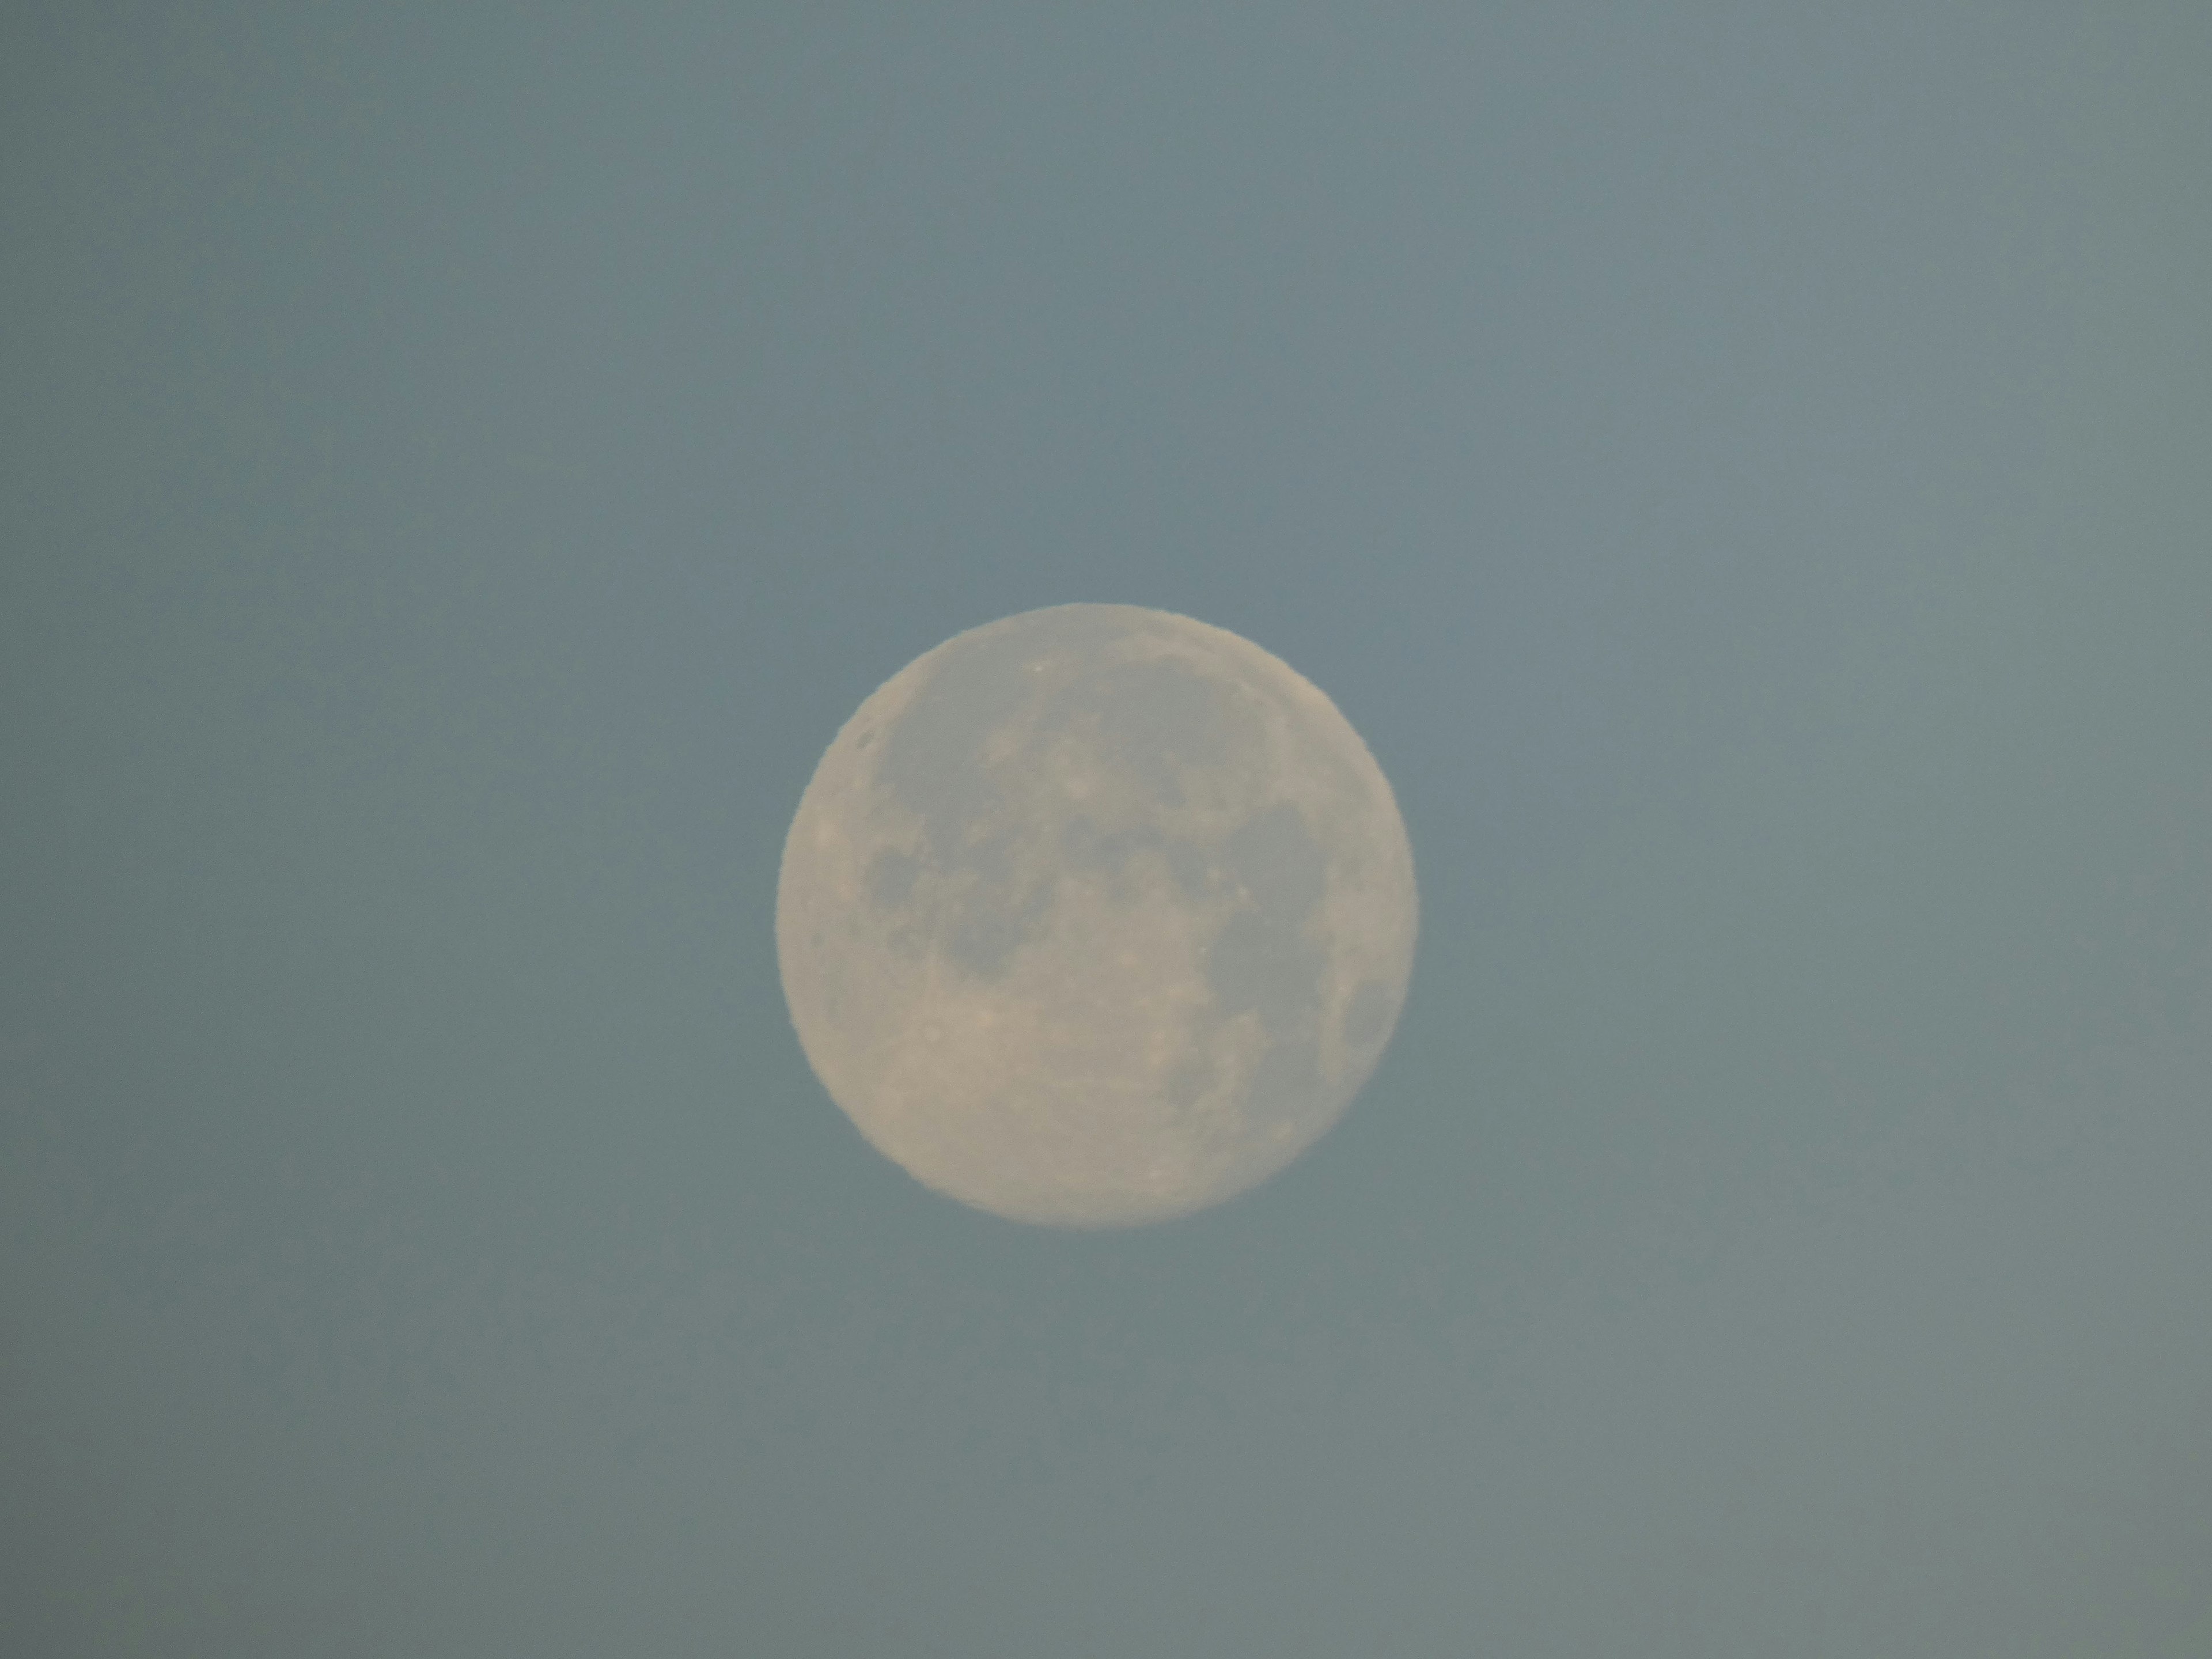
x=1095, y=915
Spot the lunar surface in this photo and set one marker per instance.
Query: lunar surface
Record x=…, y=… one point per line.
x=1095, y=915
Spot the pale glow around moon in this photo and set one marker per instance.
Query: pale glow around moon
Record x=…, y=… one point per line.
x=1095, y=915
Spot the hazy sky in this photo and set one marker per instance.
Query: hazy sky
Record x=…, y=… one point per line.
x=1741, y=468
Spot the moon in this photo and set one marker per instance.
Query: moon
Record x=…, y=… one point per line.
x=1095, y=915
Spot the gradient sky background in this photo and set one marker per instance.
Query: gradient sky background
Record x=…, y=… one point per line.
x=1743, y=468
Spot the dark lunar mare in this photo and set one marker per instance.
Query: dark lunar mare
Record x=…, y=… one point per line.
x=1150, y=719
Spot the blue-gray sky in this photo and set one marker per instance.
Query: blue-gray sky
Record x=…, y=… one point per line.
x=1741, y=467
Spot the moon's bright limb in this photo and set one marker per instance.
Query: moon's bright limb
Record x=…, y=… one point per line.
x=1095, y=915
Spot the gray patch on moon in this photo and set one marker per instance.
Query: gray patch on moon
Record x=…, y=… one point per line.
x=1108, y=853
x=1146, y=720
x=933, y=763
x=995, y=923
x=890, y=877
x=1262, y=961
x=1188, y=1083
x=933, y=758
x=1367, y=1021
x=1149, y=719
x=1287, y=1082
x=1257, y=965
x=1273, y=858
